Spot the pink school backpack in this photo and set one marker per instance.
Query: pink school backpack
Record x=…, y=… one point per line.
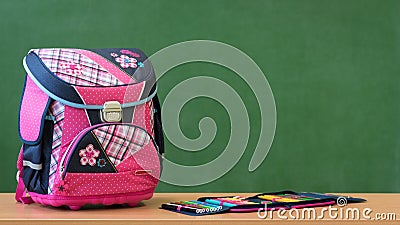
x=90, y=125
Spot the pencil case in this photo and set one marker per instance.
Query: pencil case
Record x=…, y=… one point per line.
x=265, y=201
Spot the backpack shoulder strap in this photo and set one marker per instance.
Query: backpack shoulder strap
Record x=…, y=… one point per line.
x=20, y=192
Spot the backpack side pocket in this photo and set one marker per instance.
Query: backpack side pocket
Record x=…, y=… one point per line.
x=36, y=161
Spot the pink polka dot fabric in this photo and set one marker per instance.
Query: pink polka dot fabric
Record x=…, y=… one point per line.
x=148, y=113
x=89, y=184
x=139, y=115
x=33, y=108
x=75, y=120
x=128, y=147
x=138, y=173
x=97, y=96
x=146, y=159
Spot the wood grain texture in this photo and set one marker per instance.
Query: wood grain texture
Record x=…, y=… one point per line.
x=149, y=213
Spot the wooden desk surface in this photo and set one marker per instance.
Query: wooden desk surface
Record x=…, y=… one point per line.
x=149, y=213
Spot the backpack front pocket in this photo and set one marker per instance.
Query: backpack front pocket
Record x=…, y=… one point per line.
x=104, y=157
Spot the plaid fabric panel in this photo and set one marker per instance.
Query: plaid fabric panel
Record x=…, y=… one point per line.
x=120, y=142
x=75, y=68
x=57, y=110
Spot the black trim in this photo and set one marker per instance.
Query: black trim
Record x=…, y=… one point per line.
x=74, y=165
x=94, y=116
x=127, y=114
x=66, y=91
x=158, y=130
x=139, y=74
x=40, y=153
x=50, y=81
x=68, y=159
x=149, y=87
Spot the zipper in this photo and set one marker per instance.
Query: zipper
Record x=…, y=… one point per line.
x=73, y=144
x=78, y=137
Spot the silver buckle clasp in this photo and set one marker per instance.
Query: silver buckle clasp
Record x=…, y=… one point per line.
x=111, y=112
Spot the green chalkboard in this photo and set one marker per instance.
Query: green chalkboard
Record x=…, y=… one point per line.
x=333, y=67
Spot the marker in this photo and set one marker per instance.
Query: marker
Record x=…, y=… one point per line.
x=307, y=199
x=236, y=197
x=298, y=197
x=260, y=201
x=205, y=204
x=275, y=198
x=217, y=202
x=179, y=208
x=189, y=204
x=236, y=201
x=208, y=206
x=199, y=204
